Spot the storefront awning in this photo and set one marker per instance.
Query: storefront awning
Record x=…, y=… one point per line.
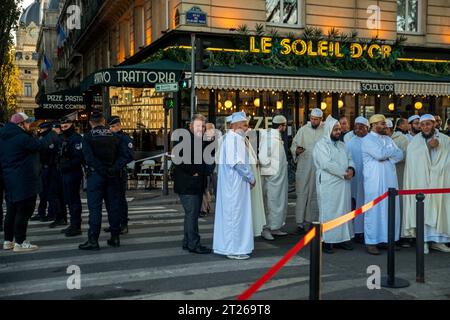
x=314, y=80
x=137, y=75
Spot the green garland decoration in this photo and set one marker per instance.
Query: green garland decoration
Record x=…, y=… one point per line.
x=275, y=60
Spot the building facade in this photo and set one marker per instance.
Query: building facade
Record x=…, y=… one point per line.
x=351, y=57
x=26, y=57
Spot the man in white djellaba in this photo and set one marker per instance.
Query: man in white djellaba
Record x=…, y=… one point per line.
x=306, y=209
x=233, y=228
x=334, y=171
x=428, y=167
x=414, y=126
x=380, y=154
x=361, y=129
x=272, y=157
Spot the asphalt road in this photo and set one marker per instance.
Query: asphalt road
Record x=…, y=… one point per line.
x=150, y=264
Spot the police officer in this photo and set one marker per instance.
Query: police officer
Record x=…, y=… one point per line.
x=105, y=155
x=116, y=127
x=70, y=166
x=48, y=193
x=61, y=214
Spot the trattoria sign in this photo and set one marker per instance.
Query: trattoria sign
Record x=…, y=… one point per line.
x=321, y=48
x=133, y=77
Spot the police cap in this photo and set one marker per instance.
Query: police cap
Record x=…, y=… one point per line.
x=57, y=124
x=45, y=125
x=97, y=116
x=113, y=120
x=65, y=120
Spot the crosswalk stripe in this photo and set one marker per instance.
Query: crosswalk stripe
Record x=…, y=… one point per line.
x=96, y=279
x=61, y=237
x=214, y=293
x=103, y=257
x=63, y=246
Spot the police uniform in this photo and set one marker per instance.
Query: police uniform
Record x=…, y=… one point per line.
x=105, y=155
x=130, y=155
x=70, y=165
x=49, y=191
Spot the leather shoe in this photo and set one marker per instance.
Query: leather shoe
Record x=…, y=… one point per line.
x=124, y=229
x=114, y=241
x=72, y=231
x=91, y=244
x=347, y=245
x=373, y=250
x=57, y=223
x=327, y=248
x=201, y=250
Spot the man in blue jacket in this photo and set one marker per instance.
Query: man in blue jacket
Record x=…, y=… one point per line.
x=19, y=159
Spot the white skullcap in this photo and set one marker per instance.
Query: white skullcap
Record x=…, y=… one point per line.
x=316, y=112
x=389, y=123
x=362, y=120
x=238, y=117
x=412, y=118
x=228, y=119
x=278, y=119
x=427, y=117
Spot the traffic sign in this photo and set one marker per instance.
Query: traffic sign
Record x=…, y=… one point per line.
x=166, y=87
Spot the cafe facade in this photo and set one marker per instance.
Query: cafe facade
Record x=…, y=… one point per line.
x=247, y=60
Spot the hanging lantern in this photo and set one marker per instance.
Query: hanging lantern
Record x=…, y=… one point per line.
x=391, y=106
x=256, y=102
x=340, y=104
x=418, y=105
x=279, y=105
x=323, y=105
x=228, y=104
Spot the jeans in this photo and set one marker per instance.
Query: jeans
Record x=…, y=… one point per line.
x=16, y=219
x=191, y=205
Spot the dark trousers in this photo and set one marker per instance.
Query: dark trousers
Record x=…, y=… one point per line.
x=71, y=186
x=49, y=193
x=100, y=188
x=61, y=214
x=1, y=201
x=191, y=205
x=16, y=219
x=123, y=201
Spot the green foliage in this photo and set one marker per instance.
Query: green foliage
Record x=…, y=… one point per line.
x=275, y=60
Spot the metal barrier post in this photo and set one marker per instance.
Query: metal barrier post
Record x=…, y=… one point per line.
x=420, y=238
x=391, y=281
x=315, y=267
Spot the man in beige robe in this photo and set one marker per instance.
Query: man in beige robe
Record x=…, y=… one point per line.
x=274, y=169
x=256, y=193
x=306, y=209
x=428, y=167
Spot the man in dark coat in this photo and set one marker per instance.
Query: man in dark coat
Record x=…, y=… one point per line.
x=19, y=159
x=190, y=183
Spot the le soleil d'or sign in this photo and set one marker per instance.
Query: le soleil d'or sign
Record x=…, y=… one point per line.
x=322, y=48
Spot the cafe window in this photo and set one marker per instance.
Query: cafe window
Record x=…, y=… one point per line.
x=408, y=15
x=283, y=12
